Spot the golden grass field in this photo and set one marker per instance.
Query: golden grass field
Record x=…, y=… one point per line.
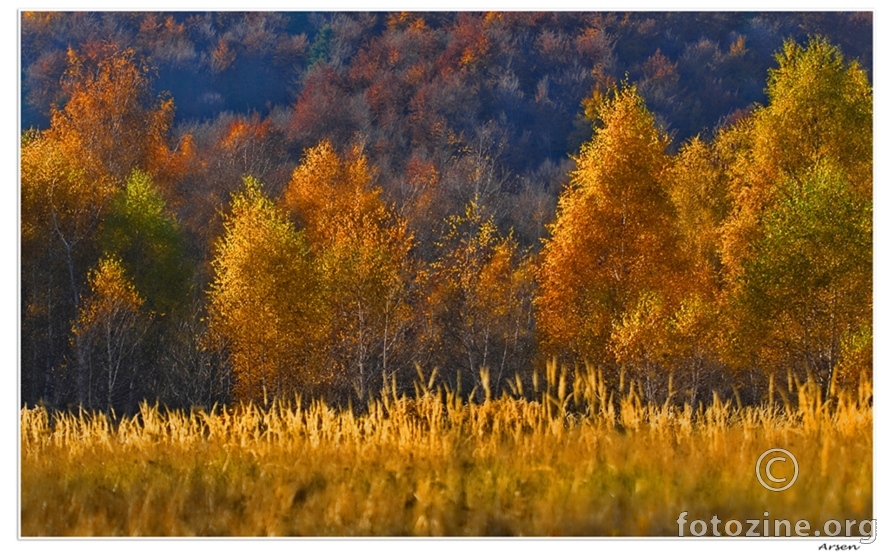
x=431, y=465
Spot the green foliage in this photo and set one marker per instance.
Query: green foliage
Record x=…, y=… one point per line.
x=796, y=245
x=140, y=230
x=820, y=107
x=318, y=51
x=809, y=283
x=752, y=251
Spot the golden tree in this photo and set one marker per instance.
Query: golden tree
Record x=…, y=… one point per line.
x=109, y=327
x=612, y=250
x=61, y=209
x=479, y=301
x=62, y=206
x=109, y=124
x=362, y=250
x=819, y=108
x=692, y=335
x=110, y=116
x=796, y=244
x=264, y=300
x=804, y=298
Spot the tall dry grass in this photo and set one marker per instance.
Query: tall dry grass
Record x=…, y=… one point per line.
x=581, y=459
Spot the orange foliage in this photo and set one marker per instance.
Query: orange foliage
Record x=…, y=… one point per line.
x=479, y=299
x=421, y=173
x=363, y=252
x=325, y=187
x=110, y=119
x=223, y=56
x=242, y=129
x=698, y=189
x=468, y=44
x=62, y=201
x=613, y=244
x=181, y=159
x=319, y=109
x=659, y=67
x=149, y=25
x=398, y=20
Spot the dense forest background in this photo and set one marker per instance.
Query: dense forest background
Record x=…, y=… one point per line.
x=232, y=206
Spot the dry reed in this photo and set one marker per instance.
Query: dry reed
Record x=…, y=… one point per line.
x=580, y=459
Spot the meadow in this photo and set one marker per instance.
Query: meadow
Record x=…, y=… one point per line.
x=576, y=458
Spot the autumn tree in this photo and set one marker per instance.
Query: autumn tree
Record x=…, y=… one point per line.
x=608, y=271
x=111, y=116
x=796, y=244
x=109, y=327
x=479, y=302
x=61, y=204
x=61, y=209
x=265, y=300
x=362, y=251
x=805, y=293
x=693, y=334
x=146, y=237
x=819, y=108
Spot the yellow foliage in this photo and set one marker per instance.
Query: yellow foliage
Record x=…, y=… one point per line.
x=108, y=330
x=819, y=109
x=698, y=191
x=113, y=302
x=59, y=197
x=796, y=244
x=479, y=299
x=264, y=300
